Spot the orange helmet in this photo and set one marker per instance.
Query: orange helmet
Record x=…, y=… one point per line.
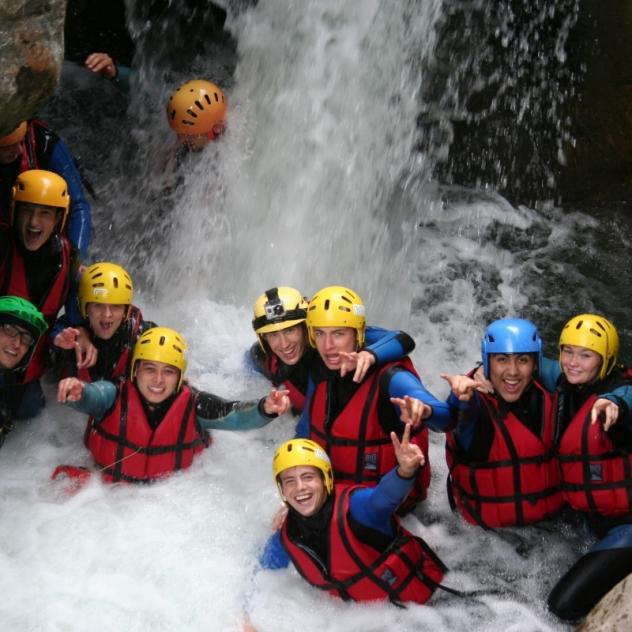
x=197, y=107
x=15, y=136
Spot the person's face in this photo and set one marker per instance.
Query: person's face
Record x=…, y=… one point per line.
x=580, y=365
x=35, y=224
x=511, y=373
x=105, y=318
x=156, y=381
x=330, y=341
x=194, y=142
x=15, y=343
x=289, y=344
x=10, y=153
x=303, y=488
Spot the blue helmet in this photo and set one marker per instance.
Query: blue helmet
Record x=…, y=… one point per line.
x=511, y=335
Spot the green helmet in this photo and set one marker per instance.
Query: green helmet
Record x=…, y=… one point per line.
x=23, y=313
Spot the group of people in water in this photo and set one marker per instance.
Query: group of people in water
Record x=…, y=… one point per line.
x=527, y=438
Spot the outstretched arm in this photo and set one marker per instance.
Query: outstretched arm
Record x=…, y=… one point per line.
x=93, y=399
x=374, y=507
x=216, y=413
x=80, y=218
x=435, y=413
x=382, y=346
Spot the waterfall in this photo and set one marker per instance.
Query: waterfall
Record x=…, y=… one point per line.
x=323, y=177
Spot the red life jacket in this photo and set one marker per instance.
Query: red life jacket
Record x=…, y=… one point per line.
x=127, y=448
x=119, y=368
x=408, y=570
x=596, y=475
x=519, y=483
x=14, y=283
x=297, y=396
x=359, y=449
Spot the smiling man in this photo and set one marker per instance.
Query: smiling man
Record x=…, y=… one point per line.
x=353, y=420
x=347, y=540
x=21, y=325
x=37, y=261
x=152, y=423
x=500, y=452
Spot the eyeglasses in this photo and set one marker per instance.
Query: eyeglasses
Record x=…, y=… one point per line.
x=12, y=331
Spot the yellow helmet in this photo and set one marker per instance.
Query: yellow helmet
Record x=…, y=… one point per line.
x=336, y=306
x=278, y=308
x=37, y=186
x=104, y=283
x=302, y=452
x=161, y=344
x=595, y=333
x=16, y=136
x=197, y=107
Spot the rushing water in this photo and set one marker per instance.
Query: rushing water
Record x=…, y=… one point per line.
x=315, y=183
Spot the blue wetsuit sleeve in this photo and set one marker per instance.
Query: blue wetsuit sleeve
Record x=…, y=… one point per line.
x=374, y=507
x=243, y=416
x=97, y=398
x=406, y=383
x=388, y=345
x=622, y=397
x=549, y=374
x=302, y=427
x=58, y=326
x=467, y=416
x=274, y=555
x=80, y=218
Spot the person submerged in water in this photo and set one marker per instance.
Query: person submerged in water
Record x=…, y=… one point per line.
x=347, y=540
x=153, y=423
x=500, y=452
x=196, y=112
x=353, y=420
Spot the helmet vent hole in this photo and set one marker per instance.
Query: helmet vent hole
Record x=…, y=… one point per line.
x=595, y=332
x=600, y=325
x=192, y=113
x=200, y=106
x=326, y=304
x=579, y=324
x=208, y=100
x=115, y=282
x=491, y=338
x=161, y=342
